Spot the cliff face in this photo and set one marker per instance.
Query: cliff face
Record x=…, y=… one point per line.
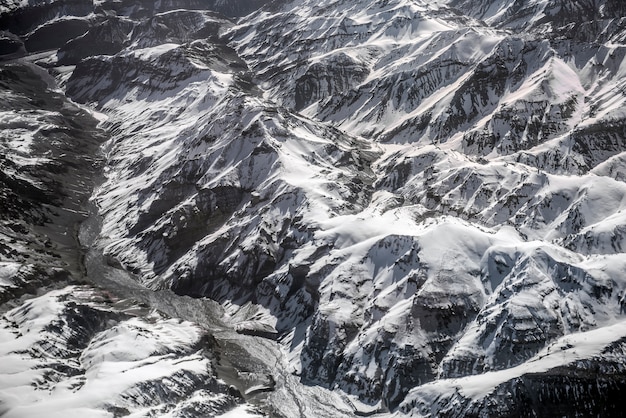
x=423, y=203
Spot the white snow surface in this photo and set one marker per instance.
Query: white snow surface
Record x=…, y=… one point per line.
x=414, y=196
x=117, y=367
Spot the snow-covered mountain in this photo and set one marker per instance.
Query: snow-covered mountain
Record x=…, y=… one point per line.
x=393, y=208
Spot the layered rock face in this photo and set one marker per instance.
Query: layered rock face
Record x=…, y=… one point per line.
x=423, y=203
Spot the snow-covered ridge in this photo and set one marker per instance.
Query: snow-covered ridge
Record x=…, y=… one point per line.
x=415, y=199
x=566, y=358
x=91, y=355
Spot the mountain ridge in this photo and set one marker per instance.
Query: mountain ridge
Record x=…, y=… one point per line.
x=412, y=198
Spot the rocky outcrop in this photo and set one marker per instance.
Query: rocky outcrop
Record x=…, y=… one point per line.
x=324, y=80
x=22, y=20
x=55, y=34
x=585, y=387
x=10, y=44
x=105, y=38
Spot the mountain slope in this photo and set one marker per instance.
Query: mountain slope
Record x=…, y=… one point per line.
x=423, y=203
x=504, y=126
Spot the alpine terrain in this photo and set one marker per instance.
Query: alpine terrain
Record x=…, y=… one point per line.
x=312, y=208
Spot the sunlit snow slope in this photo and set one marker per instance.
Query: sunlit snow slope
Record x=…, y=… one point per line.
x=424, y=203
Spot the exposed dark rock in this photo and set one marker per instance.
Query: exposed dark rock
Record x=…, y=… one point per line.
x=10, y=43
x=106, y=38
x=23, y=20
x=55, y=34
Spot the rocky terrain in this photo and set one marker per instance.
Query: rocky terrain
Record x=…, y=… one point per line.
x=382, y=208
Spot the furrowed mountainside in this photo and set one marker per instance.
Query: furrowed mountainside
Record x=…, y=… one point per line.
x=382, y=208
